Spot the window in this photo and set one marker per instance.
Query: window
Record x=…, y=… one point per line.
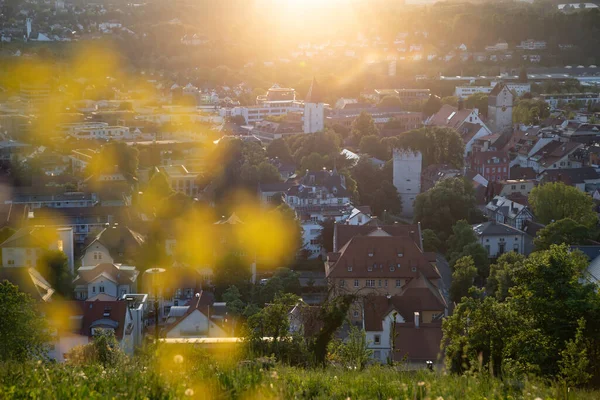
x=516, y=238
x=379, y=283
x=398, y=282
x=189, y=293
x=377, y=354
x=93, y=289
x=414, y=269
x=522, y=186
x=101, y=289
x=516, y=247
x=355, y=313
x=178, y=293
x=371, y=253
x=370, y=283
x=370, y=268
x=349, y=268
x=356, y=283
x=513, y=187
x=386, y=283
x=392, y=268
x=11, y=262
x=377, y=339
x=342, y=283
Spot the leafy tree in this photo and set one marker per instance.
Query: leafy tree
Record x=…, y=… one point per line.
x=479, y=101
x=523, y=111
x=325, y=237
x=555, y=201
x=268, y=173
x=23, y=331
x=431, y=243
x=502, y=273
x=272, y=320
x=233, y=301
x=283, y=281
x=54, y=265
x=437, y=145
x=432, y=106
x=116, y=154
x=238, y=120
x=562, y=231
x=450, y=100
x=462, y=235
x=279, y=148
x=449, y=201
x=373, y=146
x=231, y=270
x=463, y=278
x=575, y=364
x=314, y=162
x=354, y=352
x=375, y=189
x=327, y=144
x=390, y=101
x=107, y=348
x=363, y=126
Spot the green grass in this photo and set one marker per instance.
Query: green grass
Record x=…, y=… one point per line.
x=205, y=378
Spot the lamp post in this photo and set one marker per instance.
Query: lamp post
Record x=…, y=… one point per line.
x=154, y=274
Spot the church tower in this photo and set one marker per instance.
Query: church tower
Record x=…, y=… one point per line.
x=314, y=109
x=500, y=107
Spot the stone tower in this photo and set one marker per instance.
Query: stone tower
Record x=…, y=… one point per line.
x=314, y=109
x=407, y=177
x=500, y=107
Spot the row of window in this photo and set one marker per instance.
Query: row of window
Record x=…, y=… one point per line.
x=371, y=283
x=392, y=267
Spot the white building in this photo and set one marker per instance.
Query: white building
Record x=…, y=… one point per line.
x=500, y=107
x=181, y=179
x=114, y=280
x=407, y=177
x=465, y=91
x=498, y=238
x=314, y=110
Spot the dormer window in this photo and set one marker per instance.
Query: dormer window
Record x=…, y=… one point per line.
x=414, y=269
x=392, y=268
x=400, y=253
x=349, y=268
x=371, y=253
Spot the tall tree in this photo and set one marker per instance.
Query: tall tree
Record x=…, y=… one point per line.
x=502, y=274
x=363, y=126
x=23, y=332
x=463, y=278
x=279, y=148
x=562, y=231
x=555, y=201
x=54, y=266
x=449, y=201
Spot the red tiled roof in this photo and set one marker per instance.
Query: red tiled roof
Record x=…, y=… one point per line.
x=379, y=253
x=343, y=233
x=95, y=311
x=442, y=117
x=418, y=344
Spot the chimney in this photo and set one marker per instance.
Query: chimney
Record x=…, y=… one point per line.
x=417, y=322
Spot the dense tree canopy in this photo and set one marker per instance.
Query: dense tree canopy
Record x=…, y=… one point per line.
x=562, y=231
x=438, y=145
x=449, y=201
x=23, y=331
x=555, y=201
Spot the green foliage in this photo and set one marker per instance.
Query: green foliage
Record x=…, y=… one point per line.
x=324, y=143
x=231, y=270
x=449, y=201
x=502, y=274
x=437, y=145
x=575, y=364
x=450, y=100
x=431, y=243
x=463, y=278
x=279, y=148
x=115, y=156
x=363, y=126
x=23, y=332
x=54, y=265
x=432, y=106
x=374, y=147
x=530, y=111
x=375, y=189
x=562, y=231
x=271, y=321
x=238, y=120
x=103, y=350
x=353, y=352
x=479, y=101
x=555, y=201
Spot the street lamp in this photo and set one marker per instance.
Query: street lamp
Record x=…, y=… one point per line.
x=154, y=274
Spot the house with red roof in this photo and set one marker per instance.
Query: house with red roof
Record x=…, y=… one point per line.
x=466, y=121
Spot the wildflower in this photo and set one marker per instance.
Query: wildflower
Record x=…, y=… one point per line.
x=538, y=398
x=335, y=377
x=421, y=383
x=439, y=398
x=189, y=392
x=39, y=362
x=271, y=385
x=178, y=359
x=274, y=374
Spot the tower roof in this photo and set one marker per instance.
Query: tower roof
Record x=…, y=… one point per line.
x=314, y=93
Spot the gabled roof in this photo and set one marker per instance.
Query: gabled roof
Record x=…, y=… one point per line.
x=314, y=93
x=233, y=219
x=343, y=233
x=418, y=343
x=450, y=116
x=200, y=303
x=120, y=241
x=506, y=207
x=380, y=254
x=101, y=314
x=29, y=237
x=117, y=273
x=571, y=176
x=493, y=228
x=555, y=151
x=498, y=89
